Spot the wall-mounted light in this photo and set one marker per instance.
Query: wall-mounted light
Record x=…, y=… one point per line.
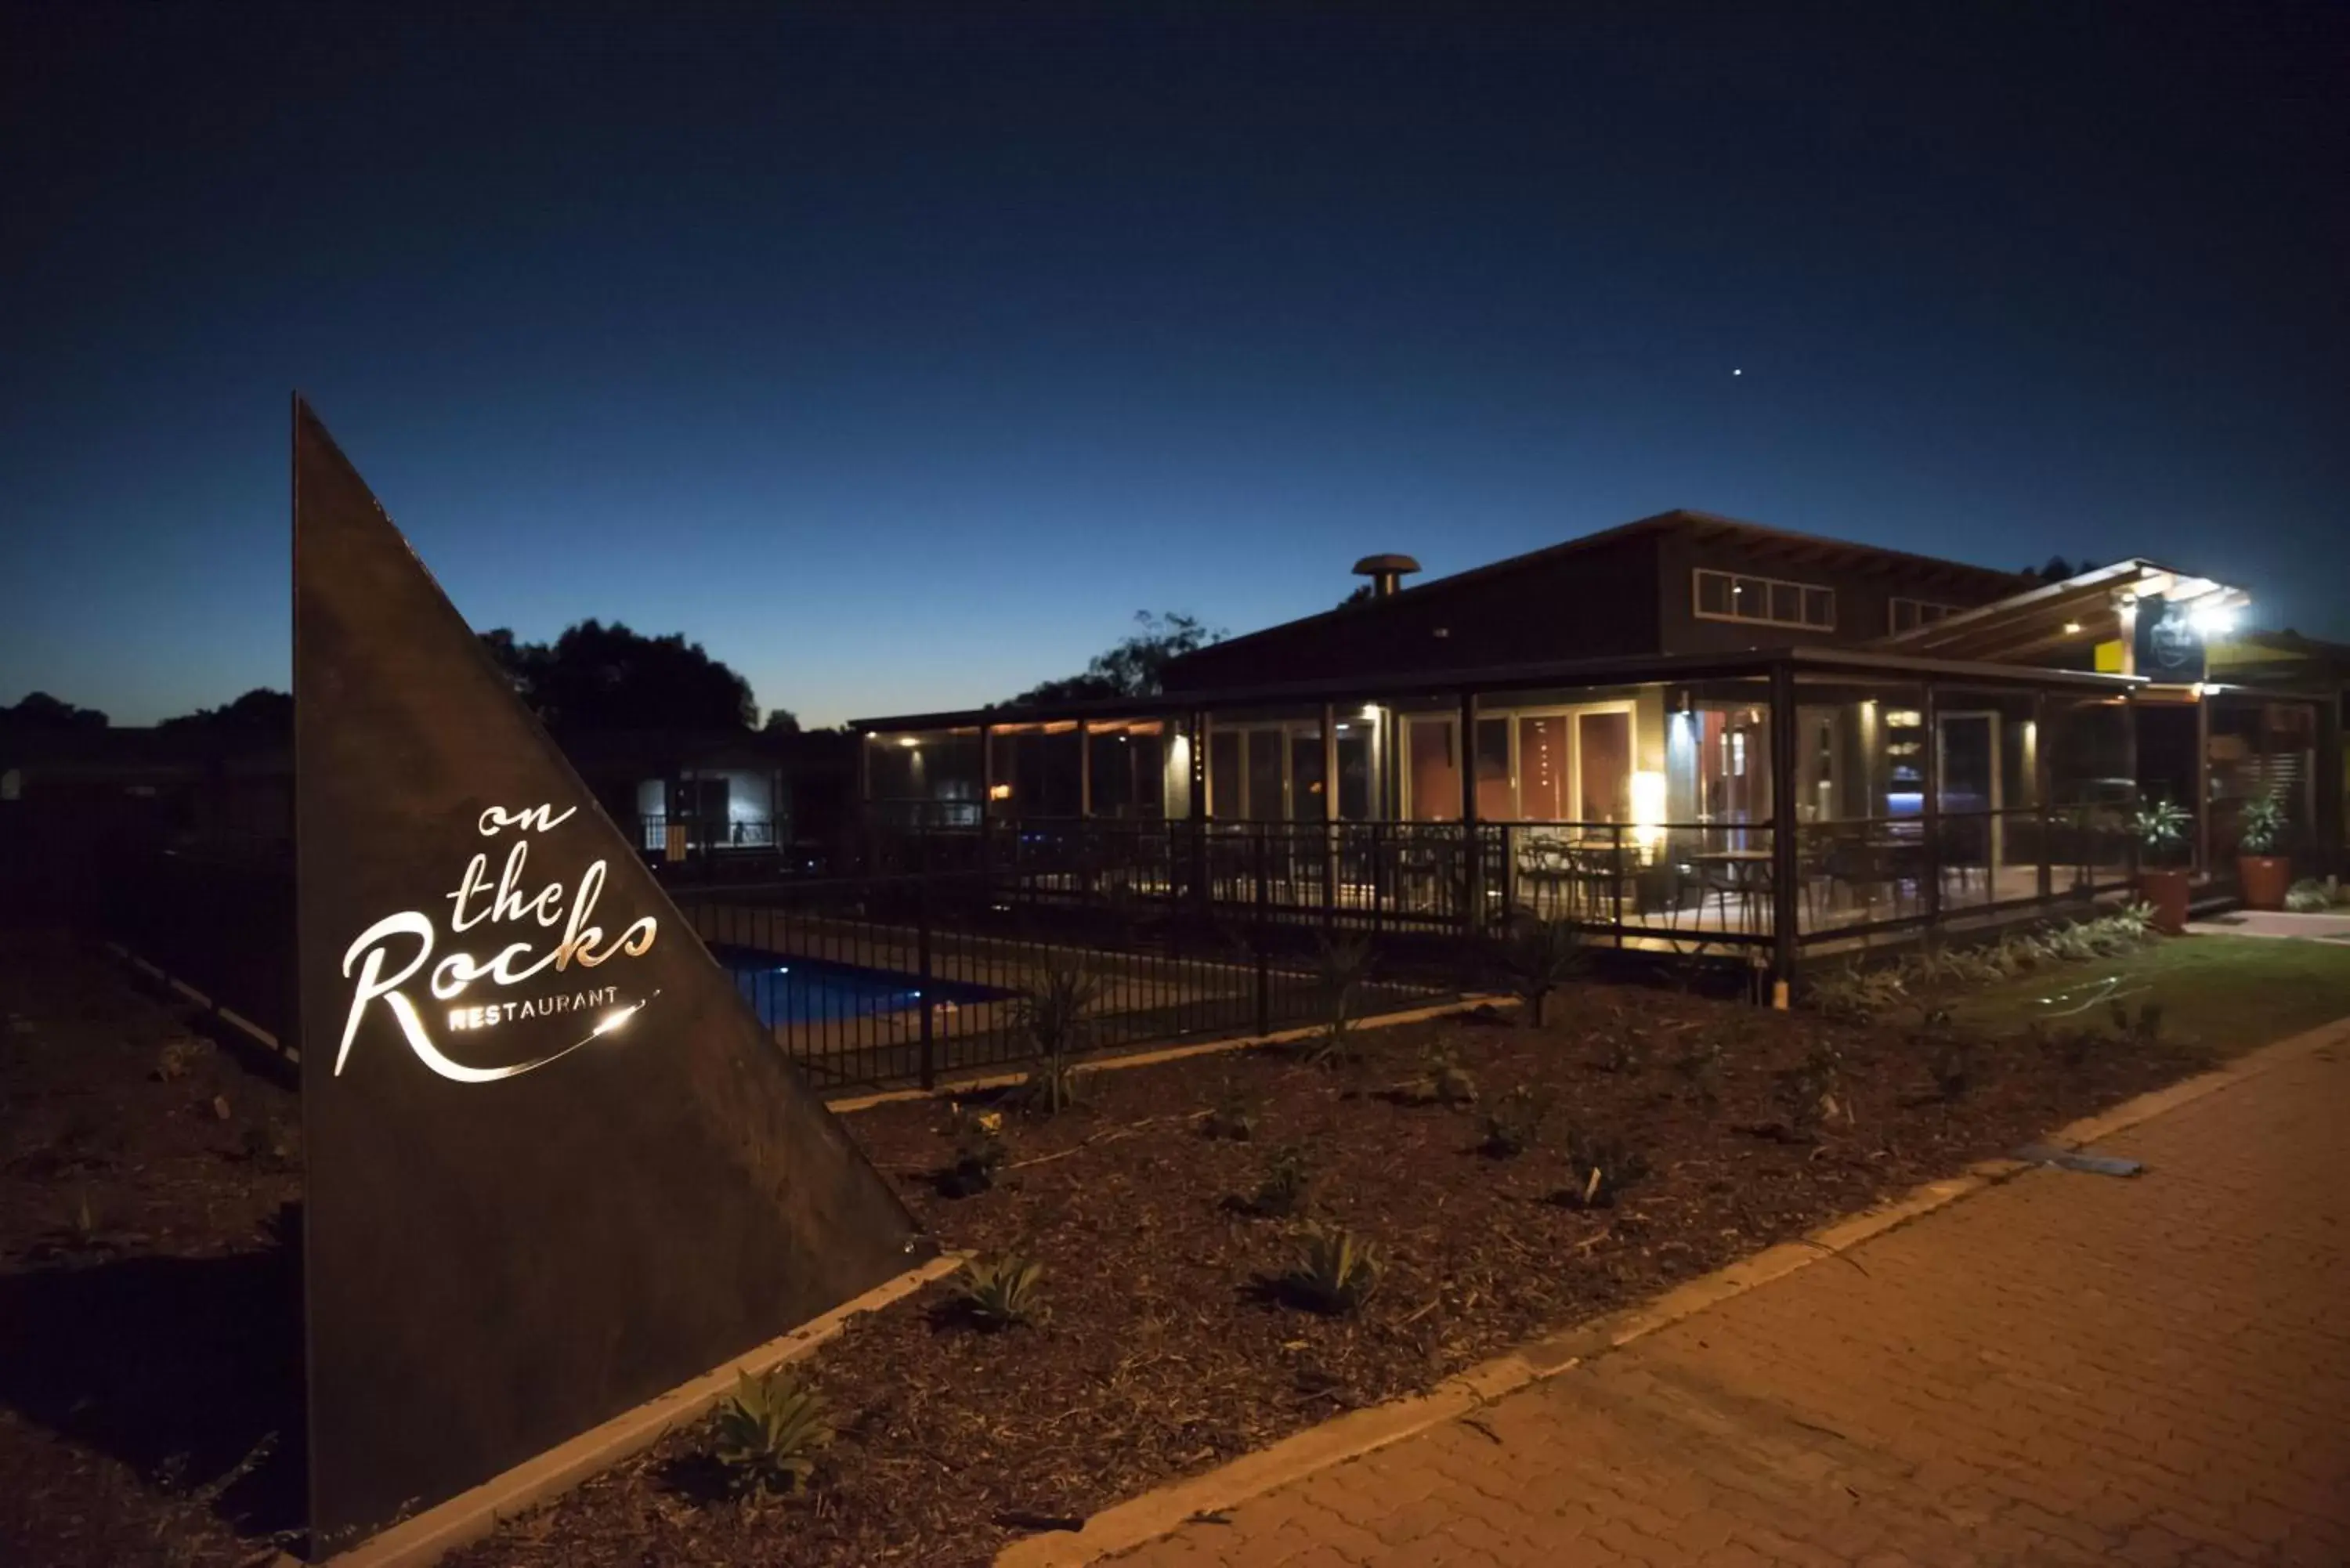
x=2072, y=629
x=2212, y=620
x=908, y=740
x=1371, y=712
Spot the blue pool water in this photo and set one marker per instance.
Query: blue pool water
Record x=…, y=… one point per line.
x=783, y=990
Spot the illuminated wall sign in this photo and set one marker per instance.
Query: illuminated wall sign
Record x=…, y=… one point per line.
x=554, y=1166
x=2169, y=646
x=395, y=951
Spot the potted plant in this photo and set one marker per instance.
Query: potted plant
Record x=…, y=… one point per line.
x=2261, y=874
x=2161, y=829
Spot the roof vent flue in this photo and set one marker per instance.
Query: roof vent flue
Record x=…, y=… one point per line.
x=1385, y=572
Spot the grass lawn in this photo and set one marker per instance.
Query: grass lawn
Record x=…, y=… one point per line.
x=2224, y=995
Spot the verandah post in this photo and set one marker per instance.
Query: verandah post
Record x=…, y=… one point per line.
x=2043, y=781
x=923, y=964
x=1259, y=932
x=1784, y=860
x=1930, y=808
x=1472, y=881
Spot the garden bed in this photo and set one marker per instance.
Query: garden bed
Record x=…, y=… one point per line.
x=1162, y=1354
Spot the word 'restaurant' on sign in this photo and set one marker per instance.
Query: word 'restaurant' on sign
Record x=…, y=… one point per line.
x=384, y=959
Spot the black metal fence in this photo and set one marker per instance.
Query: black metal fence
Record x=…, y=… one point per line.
x=919, y=968
x=914, y=976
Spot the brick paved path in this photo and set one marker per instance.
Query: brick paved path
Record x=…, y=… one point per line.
x=2064, y=1369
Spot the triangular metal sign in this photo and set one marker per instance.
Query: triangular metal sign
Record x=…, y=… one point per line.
x=555, y=1165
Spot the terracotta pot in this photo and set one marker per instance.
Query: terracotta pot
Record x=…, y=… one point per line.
x=2167, y=891
x=2262, y=879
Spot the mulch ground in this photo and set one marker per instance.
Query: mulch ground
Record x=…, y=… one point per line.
x=150, y=1385
x=1162, y=1355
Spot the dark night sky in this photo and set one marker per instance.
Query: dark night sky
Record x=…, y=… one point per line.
x=901, y=364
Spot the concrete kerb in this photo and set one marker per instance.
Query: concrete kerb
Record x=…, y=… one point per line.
x=470, y=1515
x=846, y=1104
x=1133, y=1523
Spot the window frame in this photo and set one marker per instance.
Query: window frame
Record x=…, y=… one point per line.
x=1731, y=579
x=1893, y=627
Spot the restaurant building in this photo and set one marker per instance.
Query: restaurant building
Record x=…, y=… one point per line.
x=1687, y=730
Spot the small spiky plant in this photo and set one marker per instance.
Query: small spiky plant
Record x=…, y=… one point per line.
x=1287, y=1186
x=1335, y=1271
x=1342, y=966
x=1515, y=1123
x=1003, y=1292
x=1539, y=956
x=1055, y=1015
x=770, y=1431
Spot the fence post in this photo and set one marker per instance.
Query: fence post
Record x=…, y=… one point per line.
x=930, y=1068
x=1258, y=935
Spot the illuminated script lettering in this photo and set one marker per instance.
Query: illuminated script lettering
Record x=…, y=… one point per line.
x=398, y=949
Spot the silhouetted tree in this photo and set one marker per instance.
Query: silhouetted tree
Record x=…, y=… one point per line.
x=598, y=677
x=39, y=711
x=2057, y=569
x=1362, y=594
x=1133, y=667
x=260, y=711
x=782, y=722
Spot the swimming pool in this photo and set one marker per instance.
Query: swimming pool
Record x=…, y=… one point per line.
x=783, y=990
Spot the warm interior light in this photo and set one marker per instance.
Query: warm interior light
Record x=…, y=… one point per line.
x=1648, y=811
x=999, y=792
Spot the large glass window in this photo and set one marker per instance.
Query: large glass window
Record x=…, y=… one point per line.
x=1306, y=781
x=1496, y=801
x=1543, y=769
x=1435, y=780
x=1357, y=742
x=1603, y=744
x=1264, y=801
x=1225, y=800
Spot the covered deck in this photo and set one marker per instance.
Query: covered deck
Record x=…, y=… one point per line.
x=1768, y=801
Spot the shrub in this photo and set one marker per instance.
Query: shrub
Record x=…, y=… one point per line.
x=1955, y=1064
x=1003, y=1292
x=979, y=1153
x=1600, y=1167
x=2261, y=825
x=1808, y=1091
x=1442, y=1081
x=1625, y=1050
x=1700, y=1068
x=1335, y=1270
x=1234, y=1117
x=2160, y=827
x=2310, y=897
x=1539, y=956
x=769, y=1432
x=1054, y=1015
x=1858, y=994
x=1514, y=1124
x=1287, y=1188
x=179, y=1058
